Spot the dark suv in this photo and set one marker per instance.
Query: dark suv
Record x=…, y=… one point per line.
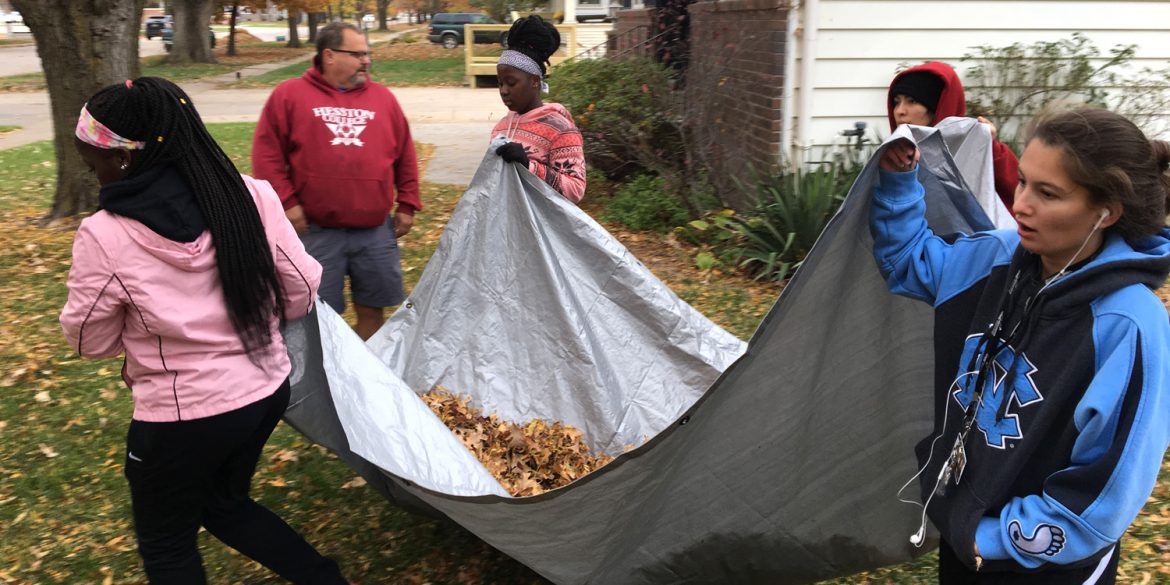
x=447, y=28
x=155, y=25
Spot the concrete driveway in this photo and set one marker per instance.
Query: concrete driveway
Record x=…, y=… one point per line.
x=456, y=120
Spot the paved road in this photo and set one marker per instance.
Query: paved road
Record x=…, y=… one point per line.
x=21, y=59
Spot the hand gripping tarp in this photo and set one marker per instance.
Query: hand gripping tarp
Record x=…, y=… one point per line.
x=782, y=469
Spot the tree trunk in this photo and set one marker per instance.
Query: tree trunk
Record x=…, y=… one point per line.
x=191, y=43
x=313, y=16
x=383, y=8
x=231, y=48
x=294, y=35
x=83, y=47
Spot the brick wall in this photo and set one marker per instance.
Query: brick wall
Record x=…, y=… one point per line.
x=734, y=88
x=631, y=28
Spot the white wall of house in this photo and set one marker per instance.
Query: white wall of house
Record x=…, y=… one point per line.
x=858, y=45
x=591, y=39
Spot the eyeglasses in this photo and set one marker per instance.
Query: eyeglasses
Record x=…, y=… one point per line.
x=358, y=54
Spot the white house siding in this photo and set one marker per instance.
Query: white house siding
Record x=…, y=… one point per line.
x=591, y=39
x=862, y=43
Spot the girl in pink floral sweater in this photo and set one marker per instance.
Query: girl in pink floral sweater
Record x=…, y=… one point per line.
x=542, y=137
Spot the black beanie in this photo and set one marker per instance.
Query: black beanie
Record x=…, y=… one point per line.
x=924, y=86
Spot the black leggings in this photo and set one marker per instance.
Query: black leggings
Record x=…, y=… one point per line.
x=952, y=571
x=188, y=474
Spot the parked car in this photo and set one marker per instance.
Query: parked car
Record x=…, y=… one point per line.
x=155, y=25
x=168, y=37
x=447, y=28
x=603, y=10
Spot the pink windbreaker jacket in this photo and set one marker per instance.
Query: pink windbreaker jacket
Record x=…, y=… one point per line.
x=161, y=302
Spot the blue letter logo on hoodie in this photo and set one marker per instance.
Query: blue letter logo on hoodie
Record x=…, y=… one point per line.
x=996, y=416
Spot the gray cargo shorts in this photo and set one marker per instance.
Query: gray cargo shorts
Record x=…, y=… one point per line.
x=368, y=256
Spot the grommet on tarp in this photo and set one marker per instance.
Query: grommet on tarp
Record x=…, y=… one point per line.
x=409, y=305
x=684, y=420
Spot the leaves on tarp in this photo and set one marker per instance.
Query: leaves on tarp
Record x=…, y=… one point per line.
x=527, y=459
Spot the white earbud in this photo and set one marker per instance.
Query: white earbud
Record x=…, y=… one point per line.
x=916, y=538
x=1104, y=214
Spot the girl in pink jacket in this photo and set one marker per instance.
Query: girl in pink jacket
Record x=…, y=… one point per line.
x=187, y=268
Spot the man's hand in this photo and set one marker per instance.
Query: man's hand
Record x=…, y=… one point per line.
x=296, y=216
x=899, y=157
x=402, y=223
x=990, y=126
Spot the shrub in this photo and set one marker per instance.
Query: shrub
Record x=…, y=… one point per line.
x=632, y=120
x=618, y=107
x=1011, y=84
x=643, y=204
x=791, y=212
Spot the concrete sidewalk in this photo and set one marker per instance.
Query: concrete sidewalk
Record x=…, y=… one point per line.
x=456, y=120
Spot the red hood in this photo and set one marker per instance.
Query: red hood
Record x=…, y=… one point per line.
x=951, y=102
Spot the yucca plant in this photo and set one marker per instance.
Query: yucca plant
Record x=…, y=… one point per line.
x=792, y=210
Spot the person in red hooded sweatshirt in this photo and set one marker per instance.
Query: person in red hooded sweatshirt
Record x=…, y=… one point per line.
x=337, y=149
x=930, y=92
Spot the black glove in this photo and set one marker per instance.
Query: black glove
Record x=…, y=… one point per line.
x=513, y=152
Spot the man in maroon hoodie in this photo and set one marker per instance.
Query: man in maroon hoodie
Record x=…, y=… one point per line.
x=337, y=149
x=926, y=94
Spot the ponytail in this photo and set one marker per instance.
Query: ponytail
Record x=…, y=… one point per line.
x=1162, y=164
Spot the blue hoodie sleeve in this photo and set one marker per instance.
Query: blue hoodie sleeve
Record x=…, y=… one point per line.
x=911, y=258
x=1123, y=422
x=908, y=254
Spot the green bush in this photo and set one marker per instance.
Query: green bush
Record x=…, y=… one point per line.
x=618, y=105
x=792, y=210
x=1013, y=83
x=644, y=204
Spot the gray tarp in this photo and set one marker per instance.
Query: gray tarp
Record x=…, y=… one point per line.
x=785, y=468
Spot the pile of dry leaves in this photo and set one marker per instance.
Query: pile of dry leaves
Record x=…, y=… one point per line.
x=527, y=459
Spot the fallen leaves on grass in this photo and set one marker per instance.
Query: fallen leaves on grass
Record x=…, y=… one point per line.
x=418, y=51
x=527, y=459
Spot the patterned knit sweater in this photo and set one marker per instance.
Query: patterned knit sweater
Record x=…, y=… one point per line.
x=555, y=150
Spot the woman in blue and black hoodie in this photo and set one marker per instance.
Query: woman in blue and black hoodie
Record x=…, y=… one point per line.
x=1052, y=371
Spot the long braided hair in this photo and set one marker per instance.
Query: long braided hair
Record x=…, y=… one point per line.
x=535, y=37
x=158, y=112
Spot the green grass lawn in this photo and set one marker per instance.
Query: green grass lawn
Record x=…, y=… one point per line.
x=396, y=65
x=423, y=72
x=157, y=65
x=63, y=501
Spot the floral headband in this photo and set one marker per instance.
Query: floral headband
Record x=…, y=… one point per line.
x=94, y=133
x=524, y=63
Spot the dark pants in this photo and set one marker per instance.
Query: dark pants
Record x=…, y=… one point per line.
x=952, y=571
x=188, y=474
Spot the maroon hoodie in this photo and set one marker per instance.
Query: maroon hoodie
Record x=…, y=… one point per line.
x=342, y=155
x=952, y=102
